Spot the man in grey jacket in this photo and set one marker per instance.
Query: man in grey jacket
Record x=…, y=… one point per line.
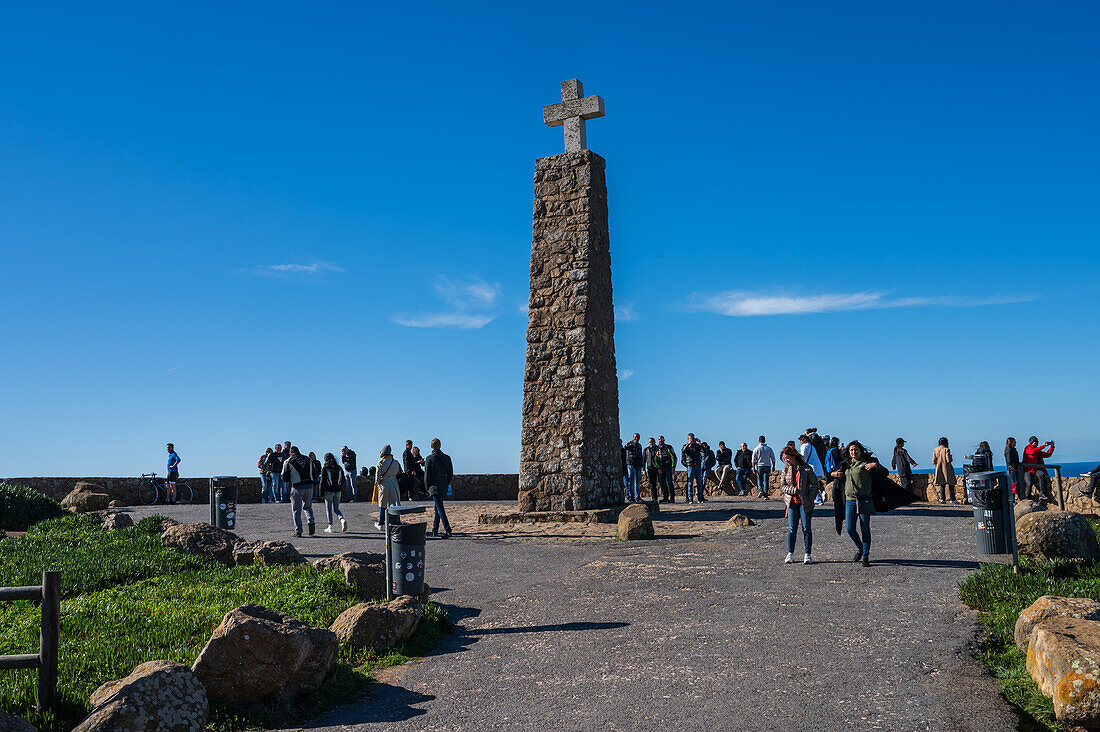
x=438, y=474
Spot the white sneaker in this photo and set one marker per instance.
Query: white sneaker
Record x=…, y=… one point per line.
x=377, y=525
x=343, y=525
x=328, y=529
x=789, y=559
x=808, y=560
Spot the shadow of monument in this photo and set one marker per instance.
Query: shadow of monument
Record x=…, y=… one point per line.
x=934, y=563
x=385, y=703
x=771, y=510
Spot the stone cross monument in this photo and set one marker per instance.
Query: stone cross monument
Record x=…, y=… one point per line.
x=569, y=456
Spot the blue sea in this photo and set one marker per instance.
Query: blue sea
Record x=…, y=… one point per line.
x=1068, y=469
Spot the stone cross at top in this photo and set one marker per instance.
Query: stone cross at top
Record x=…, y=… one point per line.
x=572, y=111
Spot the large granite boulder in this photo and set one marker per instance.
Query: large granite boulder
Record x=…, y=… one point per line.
x=1049, y=606
x=267, y=553
x=85, y=497
x=378, y=627
x=202, y=539
x=111, y=519
x=11, y=723
x=159, y=696
x=1057, y=534
x=635, y=523
x=365, y=571
x=1027, y=506
x=260, y=655
x=1063, y=657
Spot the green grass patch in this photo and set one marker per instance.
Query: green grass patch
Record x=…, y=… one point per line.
x=999, y=596
x=127, y=599
x=22, y=507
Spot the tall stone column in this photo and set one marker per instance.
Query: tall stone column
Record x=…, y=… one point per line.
x=569, y=457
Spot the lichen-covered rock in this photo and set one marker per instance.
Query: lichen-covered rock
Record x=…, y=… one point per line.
x=365, y=571
x=378, y=627
x=1049, y=606
x=1027, y=506
x=739, y=519
x=112, y=519
x=1063, y=656
x=11, y=723
x=85, y=497
x=635, y=523
x=202, y=539
x=260, y=655
x=158, y=696
x=1057, y=534
x=267, y=553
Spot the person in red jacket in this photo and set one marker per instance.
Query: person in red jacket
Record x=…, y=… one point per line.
x=1033, y=455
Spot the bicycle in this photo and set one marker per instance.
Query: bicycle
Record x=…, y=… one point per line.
x=151, y=486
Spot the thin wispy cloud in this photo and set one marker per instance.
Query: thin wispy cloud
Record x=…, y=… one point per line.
x=174, y=368
x=625, y=374
x=460, y=321
x=739, y=303
x=291, y=270
x=472, y=305
x=625, y=313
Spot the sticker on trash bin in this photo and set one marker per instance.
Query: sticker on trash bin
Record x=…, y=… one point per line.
x=221, y=506
x=409, y=577
x=402, y=555
x=397, y=565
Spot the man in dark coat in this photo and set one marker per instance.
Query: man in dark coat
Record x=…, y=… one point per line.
x=438, y=474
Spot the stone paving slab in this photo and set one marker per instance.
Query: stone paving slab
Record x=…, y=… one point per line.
x=703, y=628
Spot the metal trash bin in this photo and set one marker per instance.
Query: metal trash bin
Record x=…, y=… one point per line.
x=223, y=502
x=989, y=520
x=407, y=558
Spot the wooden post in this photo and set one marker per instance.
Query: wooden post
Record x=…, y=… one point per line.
x=1058, y=476
x=49, y=640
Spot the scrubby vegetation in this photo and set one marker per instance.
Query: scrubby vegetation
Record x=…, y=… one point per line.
x=22, y=507
x=127, y=599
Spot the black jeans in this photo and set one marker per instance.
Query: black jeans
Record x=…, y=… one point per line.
x=440, y=513
x=652, y=477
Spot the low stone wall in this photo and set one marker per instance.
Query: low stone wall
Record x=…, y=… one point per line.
x=483, y=487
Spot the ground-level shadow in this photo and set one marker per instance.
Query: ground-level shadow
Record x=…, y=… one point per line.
x=940, y=563
x=385, y=703
x=557, y=627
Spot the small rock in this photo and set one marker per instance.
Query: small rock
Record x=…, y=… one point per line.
x=740, y=519
x=365, y=571
x=267, y=553
x=1049, y=606
x=116, y=504
x=112, y=520
x=1027, y=506
x=1057, y=534
x=260, y=655
x=11, y=723
x=202, y=539
x=85, y=497
x=378, y=627
x=635, y=523
x=1063, y=656
x=159, y=696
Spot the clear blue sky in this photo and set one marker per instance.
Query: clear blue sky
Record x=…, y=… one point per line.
x=225, y=225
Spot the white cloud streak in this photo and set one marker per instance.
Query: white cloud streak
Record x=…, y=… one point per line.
x=472, y=306
x=289, y=270
x=625, y=314
x=738, y=303
x=459, y=321
x=625, y=374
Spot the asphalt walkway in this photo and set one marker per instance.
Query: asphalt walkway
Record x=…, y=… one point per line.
x=704, y=631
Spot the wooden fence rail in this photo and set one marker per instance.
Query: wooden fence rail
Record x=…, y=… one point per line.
x=49, y=594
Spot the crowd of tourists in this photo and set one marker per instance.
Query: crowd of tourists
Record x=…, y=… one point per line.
x=288, y=476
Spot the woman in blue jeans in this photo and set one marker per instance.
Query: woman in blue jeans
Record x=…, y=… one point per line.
x=800, y=487
x=856, y=473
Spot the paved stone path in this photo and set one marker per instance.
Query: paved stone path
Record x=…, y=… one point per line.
x=708, y=630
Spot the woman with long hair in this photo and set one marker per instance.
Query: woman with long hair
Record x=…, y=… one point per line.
x=858, y=506
x=945, y=471
x=331, y=489
x=800, y=487
x=385, y=480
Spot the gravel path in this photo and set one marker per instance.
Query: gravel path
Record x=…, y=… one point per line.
x=707, y=630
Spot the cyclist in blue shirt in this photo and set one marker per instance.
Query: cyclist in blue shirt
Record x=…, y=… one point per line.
x=173, y=473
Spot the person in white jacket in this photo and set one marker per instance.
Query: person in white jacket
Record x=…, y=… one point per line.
x=809, y=454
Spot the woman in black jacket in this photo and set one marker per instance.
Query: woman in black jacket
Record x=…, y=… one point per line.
x=1012, y=463
x=331, y=488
